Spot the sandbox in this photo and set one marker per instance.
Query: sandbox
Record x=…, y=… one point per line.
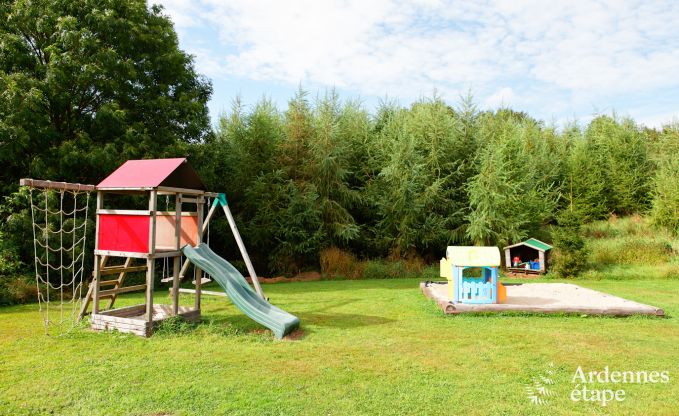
x=544, y=298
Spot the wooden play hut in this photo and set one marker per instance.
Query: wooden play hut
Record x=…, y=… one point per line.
x=533, y=256
x=137, y=238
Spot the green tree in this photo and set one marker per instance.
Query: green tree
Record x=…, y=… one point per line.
x=424, y=155
x=570, y=257
x=329, y=166
x=586, y=180
x=88, y=84
x=665, y=188
x=516, y=190
x=620, y=153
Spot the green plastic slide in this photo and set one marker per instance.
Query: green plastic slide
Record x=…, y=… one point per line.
x=239, y=291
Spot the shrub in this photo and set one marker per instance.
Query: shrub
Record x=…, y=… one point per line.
x=630, y=250
x=380, y=269
x=570, y=257
x=17, y=290
x=665, y=209
x=336, y=262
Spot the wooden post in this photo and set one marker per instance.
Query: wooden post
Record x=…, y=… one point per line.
x=151, y=262
x=178, y=220
x=243, y=251
x=90, y=290
x=210, y=213
x=543, y=266
x=175, y=265
x=175, y=285
x=199, y=273
x=97, y=259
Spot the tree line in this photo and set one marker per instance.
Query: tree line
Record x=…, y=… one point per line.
x=408, y=181
x=86, y=85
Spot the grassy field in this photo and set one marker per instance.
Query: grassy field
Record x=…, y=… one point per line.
x=369, y=347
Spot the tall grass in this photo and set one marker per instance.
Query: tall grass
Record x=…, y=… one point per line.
x=336, y=263
x=630, y=248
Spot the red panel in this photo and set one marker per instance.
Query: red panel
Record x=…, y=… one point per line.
x=124, y=233
x=147, y=173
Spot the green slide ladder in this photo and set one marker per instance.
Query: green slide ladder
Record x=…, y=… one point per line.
x=239, y=291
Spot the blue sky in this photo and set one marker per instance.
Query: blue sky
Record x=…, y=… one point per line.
x=557, y=60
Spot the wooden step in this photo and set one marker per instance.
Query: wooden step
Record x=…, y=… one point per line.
x=122, y=269
x=108, y=283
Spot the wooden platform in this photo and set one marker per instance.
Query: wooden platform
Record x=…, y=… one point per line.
x=544, y=298
x=520, y=271
x=132, y=320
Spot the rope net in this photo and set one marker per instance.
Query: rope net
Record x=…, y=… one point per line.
x=60, y=225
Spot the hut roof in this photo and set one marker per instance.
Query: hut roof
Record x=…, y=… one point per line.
x=473, y=256
x=533, y=243
x=152, y=173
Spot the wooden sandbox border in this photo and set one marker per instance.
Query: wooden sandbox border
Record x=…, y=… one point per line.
x=130, y=319
x=451, y=308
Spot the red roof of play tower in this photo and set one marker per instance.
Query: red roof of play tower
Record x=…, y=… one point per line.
x=151, y=173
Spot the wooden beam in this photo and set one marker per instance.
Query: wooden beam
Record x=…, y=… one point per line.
x=244, y=252
x=114, y=292
x=175, y=264
x=97, y=258
x=543, y=265
x=120, y=269
x=150, y=262
x=204, y=292
x=156, y=255
x=201, y=227
x=175, y=285
x=123, y=211
x=126, y=189
x=112, y=253
x=193, y=200
x=172, y=190
x=119, y=281
x=90, y=292
x=34, y=183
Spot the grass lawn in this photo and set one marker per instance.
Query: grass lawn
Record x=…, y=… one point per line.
x=369, y=347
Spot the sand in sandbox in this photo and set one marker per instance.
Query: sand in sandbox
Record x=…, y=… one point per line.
x=545, y=298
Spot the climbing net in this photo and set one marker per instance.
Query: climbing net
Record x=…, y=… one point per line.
x=60, y=219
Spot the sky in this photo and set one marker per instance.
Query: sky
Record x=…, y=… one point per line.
x=559, y=61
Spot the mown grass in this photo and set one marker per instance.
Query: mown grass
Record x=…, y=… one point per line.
x=369, y=347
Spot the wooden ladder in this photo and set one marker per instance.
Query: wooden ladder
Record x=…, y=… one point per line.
x=117, y=284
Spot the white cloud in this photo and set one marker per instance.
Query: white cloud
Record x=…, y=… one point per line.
x=585, y=50
x=502, y=98
x=659, y=120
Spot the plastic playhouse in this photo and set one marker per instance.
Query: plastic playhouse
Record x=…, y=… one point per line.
x=483, y=288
